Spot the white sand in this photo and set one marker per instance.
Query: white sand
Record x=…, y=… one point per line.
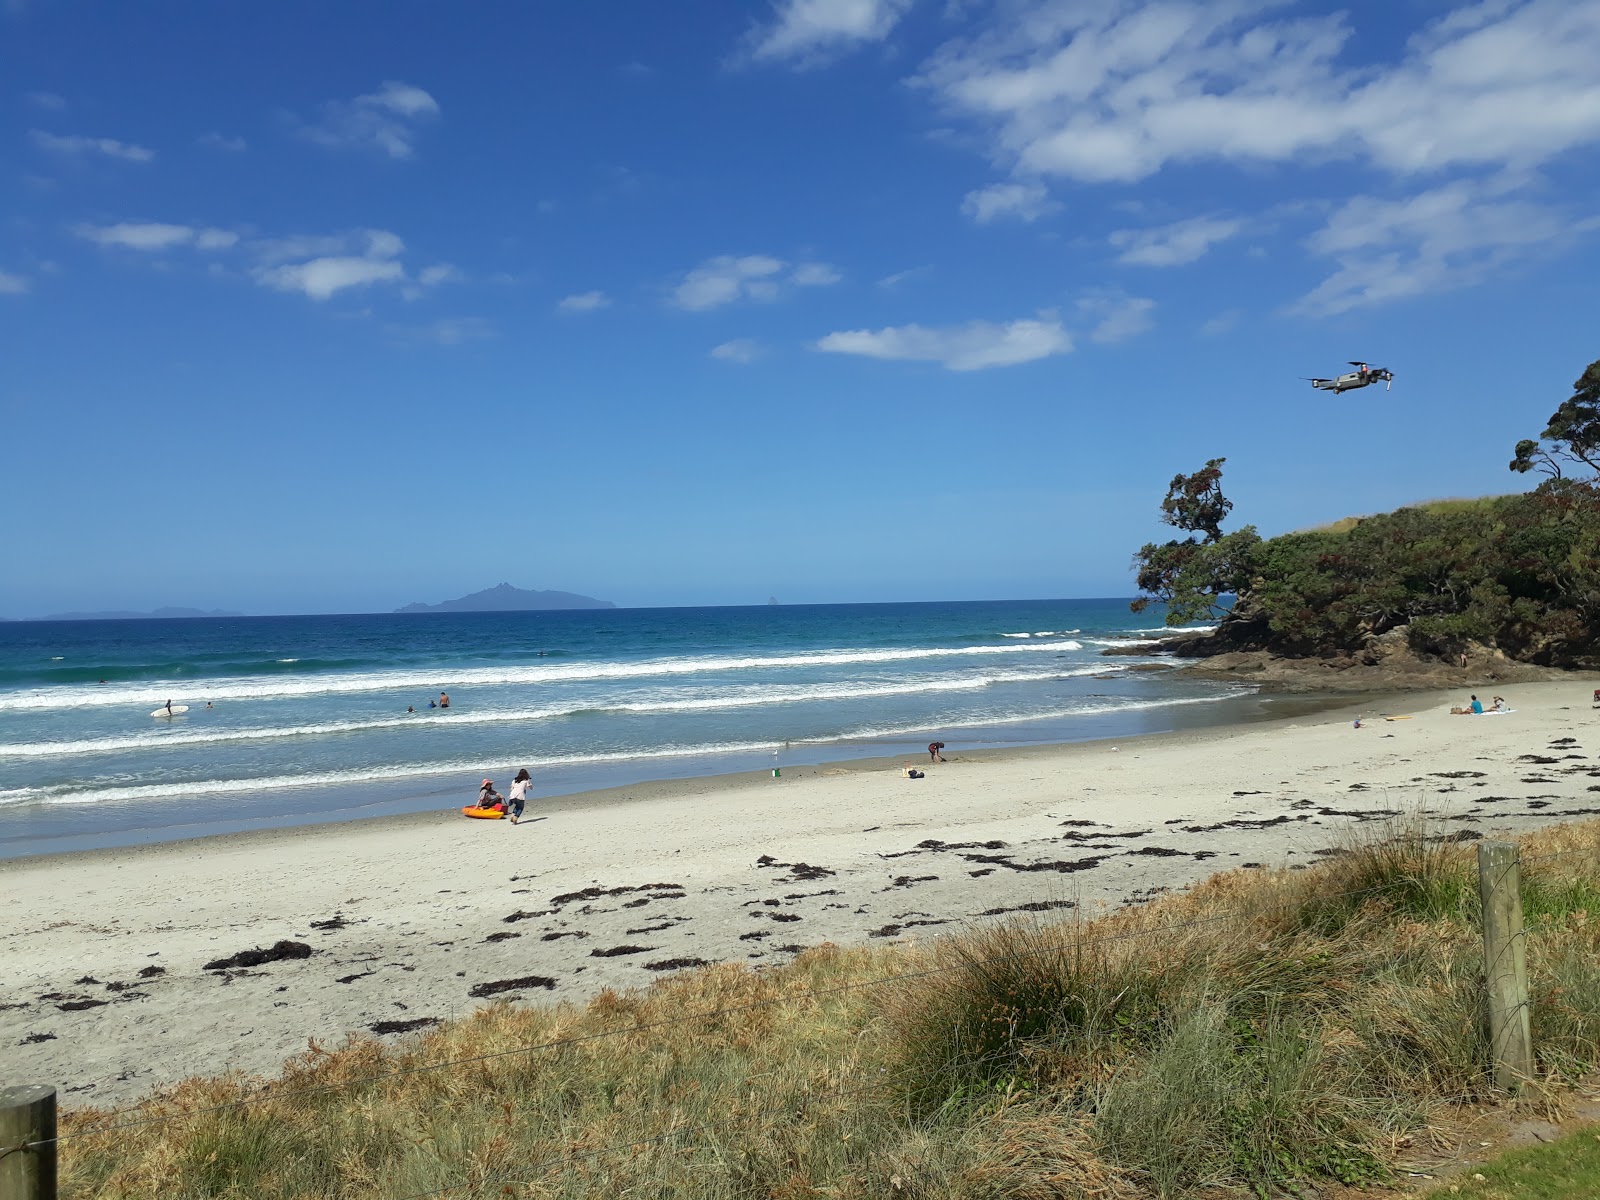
x=422, y=897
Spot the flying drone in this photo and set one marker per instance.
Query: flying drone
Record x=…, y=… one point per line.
x=1359, y=378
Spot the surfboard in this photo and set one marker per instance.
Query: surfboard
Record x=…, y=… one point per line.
x=176, y=709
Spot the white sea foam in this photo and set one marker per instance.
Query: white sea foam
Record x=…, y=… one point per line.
x=225, y=787
x=452, y=719
x=275, y=687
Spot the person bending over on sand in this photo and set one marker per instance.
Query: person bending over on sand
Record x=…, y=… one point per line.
x=489, y=798
x=933, y=751
x=519, y=793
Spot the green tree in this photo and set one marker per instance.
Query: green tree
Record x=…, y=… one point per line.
x=1191, y=576
x=1572, y=435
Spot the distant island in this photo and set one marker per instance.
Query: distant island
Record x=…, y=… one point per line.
x=153, y=615
x=505, y=598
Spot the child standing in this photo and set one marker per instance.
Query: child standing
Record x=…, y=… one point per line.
x=519, y=793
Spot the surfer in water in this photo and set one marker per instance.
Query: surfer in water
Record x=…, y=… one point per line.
x=169, y=708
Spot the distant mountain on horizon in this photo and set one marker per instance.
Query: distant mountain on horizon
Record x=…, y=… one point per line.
x=505, y=598
x=156, y=614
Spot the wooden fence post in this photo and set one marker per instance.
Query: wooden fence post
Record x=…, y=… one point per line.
x=1505, y=964
x=28, y=1116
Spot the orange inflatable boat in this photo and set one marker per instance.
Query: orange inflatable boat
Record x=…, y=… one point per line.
x=484, y=814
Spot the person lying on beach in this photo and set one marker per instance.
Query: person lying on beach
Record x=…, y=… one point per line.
x=910, y=772
x=519, y=794
x=489, y=798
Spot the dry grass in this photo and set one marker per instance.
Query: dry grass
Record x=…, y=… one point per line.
x=1245, y=1035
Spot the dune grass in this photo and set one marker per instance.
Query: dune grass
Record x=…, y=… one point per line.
x=1254, y=1032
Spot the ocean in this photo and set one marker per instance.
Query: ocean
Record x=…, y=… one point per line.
x=294, y=720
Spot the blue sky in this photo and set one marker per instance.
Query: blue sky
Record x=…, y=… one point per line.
x=310, y=307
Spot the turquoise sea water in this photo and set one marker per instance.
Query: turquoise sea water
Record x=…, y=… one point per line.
x=307, y=717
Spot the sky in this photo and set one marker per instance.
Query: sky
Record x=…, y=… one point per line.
x=312, y=308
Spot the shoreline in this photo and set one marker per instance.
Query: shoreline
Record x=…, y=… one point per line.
x=427, y=918
x=671, y=788
x=1254, y=707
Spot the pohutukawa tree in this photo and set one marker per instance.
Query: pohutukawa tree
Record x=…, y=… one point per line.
x=1191, y=576
x=1572, y=437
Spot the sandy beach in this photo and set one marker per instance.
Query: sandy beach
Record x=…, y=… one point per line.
x=107, y=991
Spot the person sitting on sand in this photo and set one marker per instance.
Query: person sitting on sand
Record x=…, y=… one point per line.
x=1477, y=707
x=489, y=798
x=1499, y=704
x=519, y=793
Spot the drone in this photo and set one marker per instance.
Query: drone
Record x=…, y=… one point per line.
x=1359, y=378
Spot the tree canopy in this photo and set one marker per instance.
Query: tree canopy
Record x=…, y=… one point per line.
x=1572, y=436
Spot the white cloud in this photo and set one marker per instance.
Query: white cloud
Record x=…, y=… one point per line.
x=152, y=236
x=75, y=145
x=12, y=285
x=385, y=120
x=727, y=278
x=808, y=32
x=581, y=302
x=1022, y=201
x=815, y=274
x=740, y=350
x=1115, y=92
x=48, y=101
x=1175, y=244
x=1117, y=317
x=1437, y=240
x=343, y=261
x=322, y=277
x=970, y=347
x=217, y=141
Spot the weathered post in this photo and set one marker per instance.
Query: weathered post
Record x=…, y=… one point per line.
x=1505, y=964
x=27, y=1143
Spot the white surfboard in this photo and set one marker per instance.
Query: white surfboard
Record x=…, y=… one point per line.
x=163, y=711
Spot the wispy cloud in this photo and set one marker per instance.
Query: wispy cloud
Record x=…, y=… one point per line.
x=76, y=146
x=1118, y=91
x=153, y=236
x=217, y=141
x=970, y=347
x=12, y=285
x=342, y=262
x=815, y=274
x=583, y=302
x=1437, y=240
x=807, y=33
x=727, y=278
x=1223, y=322
x=385, y=121
x=1018, y=201
x=739, y=350
x=890, y=282
x=1175, y=244
x=447, y=331
x=1116, y=317
x=46, y=101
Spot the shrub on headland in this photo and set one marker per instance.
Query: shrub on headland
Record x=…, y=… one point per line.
x=1262, y=1029
x=1519, y=574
